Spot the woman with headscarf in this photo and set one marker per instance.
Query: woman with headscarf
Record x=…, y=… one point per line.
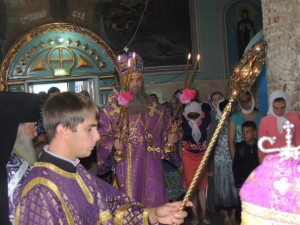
x=247, y=112
x=195, y=125
x=272, y=124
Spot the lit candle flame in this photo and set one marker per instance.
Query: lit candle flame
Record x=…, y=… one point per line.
x=129, y=64
x=187, y=70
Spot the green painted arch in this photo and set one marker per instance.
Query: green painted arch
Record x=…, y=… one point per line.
x=37, y=53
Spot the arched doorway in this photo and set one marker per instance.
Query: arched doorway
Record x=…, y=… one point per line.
x=58, y=52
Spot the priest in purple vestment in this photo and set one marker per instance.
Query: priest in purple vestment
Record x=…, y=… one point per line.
x=20, y=162
x=59, y=190
x=18, y=115
x=135, y=144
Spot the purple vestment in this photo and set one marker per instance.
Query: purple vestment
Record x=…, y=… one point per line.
x=51, y=195
x=17, y=168
x=140, y=174
x=271, y=193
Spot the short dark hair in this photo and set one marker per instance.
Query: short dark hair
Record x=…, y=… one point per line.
x=53, y=90
x=250, y=124
x=68, y=109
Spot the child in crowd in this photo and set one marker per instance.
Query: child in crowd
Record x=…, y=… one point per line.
x=246, y=155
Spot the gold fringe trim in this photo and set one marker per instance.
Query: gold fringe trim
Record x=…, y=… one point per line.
x=254, y=215
x=75, y=176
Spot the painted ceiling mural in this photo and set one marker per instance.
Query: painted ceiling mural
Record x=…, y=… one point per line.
x=158, y=29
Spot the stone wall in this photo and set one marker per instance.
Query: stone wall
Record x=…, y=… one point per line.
x=281, y=21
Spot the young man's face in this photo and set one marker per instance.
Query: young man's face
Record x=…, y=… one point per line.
x=136, y=83
x=84, y=139
x=279, y=108
x=248, y=133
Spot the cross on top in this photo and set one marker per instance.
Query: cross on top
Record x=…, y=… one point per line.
x=285, y=152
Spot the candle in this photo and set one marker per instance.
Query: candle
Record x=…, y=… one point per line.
x=129, y=73
x=187, y=70
x=194, y=71
x=120, y=70
x=128, y=63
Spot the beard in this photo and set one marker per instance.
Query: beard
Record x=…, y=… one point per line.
x=140, y=102
x=24, y=148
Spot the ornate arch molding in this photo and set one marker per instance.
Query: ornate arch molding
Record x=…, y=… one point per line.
x=38, y=53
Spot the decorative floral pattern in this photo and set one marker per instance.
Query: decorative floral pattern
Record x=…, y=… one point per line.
x=282, y=185
x=273, y=192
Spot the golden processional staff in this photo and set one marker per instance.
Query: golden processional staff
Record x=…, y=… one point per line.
x=242, y=78
x=125, y=65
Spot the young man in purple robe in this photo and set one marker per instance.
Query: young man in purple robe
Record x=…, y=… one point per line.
x=136, y=147
x=58, y=190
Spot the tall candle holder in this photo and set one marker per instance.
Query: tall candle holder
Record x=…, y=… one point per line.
x=187, y=84
x=187, y=69
x=176, y=124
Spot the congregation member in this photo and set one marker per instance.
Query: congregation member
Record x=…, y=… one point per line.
x=246, y=155
x=195, y=125
x=272, y=124
x=226, y=198
x=18, y=116
x=215, y=115
x=137, y=147
x=247, y=112
x=59, y=190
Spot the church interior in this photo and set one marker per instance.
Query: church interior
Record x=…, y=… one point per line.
x=73, y=45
